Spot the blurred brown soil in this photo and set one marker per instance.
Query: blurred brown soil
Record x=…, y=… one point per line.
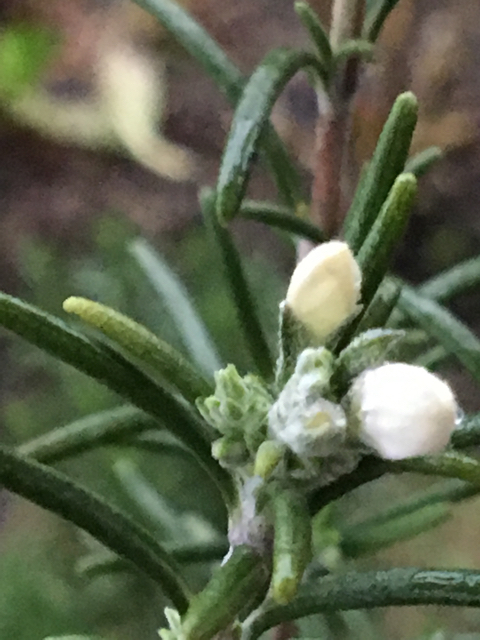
x=53, y=190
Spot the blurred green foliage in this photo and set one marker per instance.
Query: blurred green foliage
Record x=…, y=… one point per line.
x=24, y=52
x=43, y=393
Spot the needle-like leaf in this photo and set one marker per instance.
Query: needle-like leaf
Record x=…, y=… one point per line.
x=177, y=299
x=52, y=490
x=252, y=113
x=141, y=343
x=175, y=19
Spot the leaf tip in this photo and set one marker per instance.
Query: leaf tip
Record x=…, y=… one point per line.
x=72, y=304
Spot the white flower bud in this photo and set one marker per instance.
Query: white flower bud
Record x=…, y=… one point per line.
x=403, y=411
x=325, y=288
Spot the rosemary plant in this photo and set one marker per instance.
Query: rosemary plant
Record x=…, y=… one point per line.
x=341, y=402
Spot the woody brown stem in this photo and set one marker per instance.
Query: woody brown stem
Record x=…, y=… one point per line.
x=333, y=125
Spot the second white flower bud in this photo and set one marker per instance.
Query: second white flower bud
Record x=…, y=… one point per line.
x=402, y=410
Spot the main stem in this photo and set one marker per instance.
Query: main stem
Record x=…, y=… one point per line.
x=333, y=125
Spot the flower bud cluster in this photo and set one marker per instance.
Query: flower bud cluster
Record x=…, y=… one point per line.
x=395, y=409
x=329, y=409
x=323, y=413
x=311, y=425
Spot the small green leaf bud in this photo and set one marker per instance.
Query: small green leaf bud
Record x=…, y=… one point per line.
x=239, y=407
x=229, y=452
x=269, y=456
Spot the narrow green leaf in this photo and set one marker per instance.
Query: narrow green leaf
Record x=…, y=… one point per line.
x=366, y=351
x=432, y=358
x=234, y=585
x=172, y=291
x=292, y=545
x=95, y=430
x=380, y=308
x=102, y=563
x=251, y=115
x=467, y=434
x=226, y=75
x=447, y=465
x=244, y=303
x=367, y=538
x=73, y=638
x=386, y=164
x=112, y=369
x=377, y=250
x=449, y=492
x=421, y=162
x=146, y=498
x=350, y=220
x=171, y=523
x=376, y=17
x=452, y=282
x=199, y=44
x=52, y=490
x=371, y=589
x=442, y=325
x=205, y=552
x=317, y=32
x=350, y=48
x=143, y=344
x=97, y=564
x=281, y=218
x=162, y=443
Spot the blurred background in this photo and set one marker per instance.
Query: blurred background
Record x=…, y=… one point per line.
x=107, y=131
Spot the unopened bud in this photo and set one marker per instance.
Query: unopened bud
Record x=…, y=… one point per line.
x=325, y=288
x=229, y=452
x=402, y=410
x=301, y=418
